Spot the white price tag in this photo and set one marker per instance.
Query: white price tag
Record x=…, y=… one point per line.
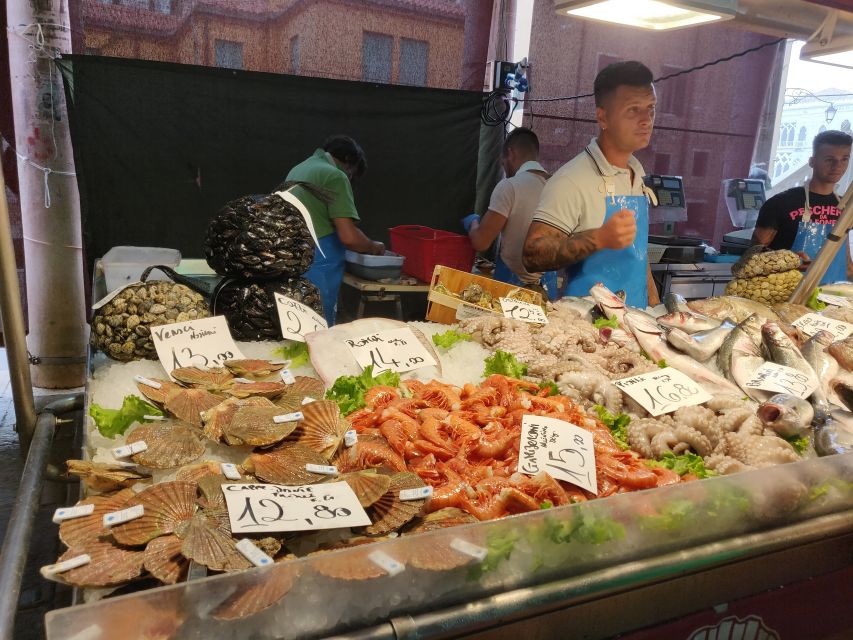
x=112, y=294
x=67, y=565
x=469, y=548
x=811, y=323
x=68, y=513
x=259, y=508
x=664, y=391
x=350, y=438
x=288, y=417
x=835, y=301
x=125, y=515
x=416, y=494
x=196, y=343
x=307, y=400
x=154, y=418
x=326, y=470
x=130, y=449
x=252, y=553
x=287, y=377
x=148, y=383
x=296, y=319
x=781, y=379
x=562, y=449
x=386, y=563
x=229, y=470
x=396, y=350
x=524, y=311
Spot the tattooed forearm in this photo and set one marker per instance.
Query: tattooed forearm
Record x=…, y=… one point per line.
x=547, y=248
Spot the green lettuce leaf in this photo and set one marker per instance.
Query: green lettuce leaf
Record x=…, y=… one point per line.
x=814, y=303
x=800, y=445
x=598, y=530
x=499, y=545
x=348, y=391
x=606, y=322
x=296, y=352
x=618, y=425
x=673, y=517
x=662, y=364
x=114, y=422
x=683, y=464
x=450, y=338
x=551, y=386
x=505, y=364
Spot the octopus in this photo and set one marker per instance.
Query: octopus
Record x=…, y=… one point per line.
x=590, y=387
x=759, y=451
x=743, y=421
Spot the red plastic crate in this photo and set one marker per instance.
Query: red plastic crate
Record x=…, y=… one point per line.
x=424, y=248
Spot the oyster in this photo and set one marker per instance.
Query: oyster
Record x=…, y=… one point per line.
x=256, y=427
x=285, y=464
x=110, y=565
x=368, y=486
x=303, y=387
x=78, y=531
x=105, y=477
x=389, y=513
x=214, y=380
x=164, y=561
x=265, y=589
x=188, y=404
x=219, y=417
x=253, y=369
x=322, y=429
x=166, y=506
x=169, y=445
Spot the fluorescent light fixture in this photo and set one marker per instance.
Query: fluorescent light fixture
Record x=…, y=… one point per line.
x=837, y=52
x=656, y=15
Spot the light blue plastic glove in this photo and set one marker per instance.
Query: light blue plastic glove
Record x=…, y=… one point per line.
x=467, y=221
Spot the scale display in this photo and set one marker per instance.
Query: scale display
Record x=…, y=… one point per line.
x=669, y=191
x=744, y=198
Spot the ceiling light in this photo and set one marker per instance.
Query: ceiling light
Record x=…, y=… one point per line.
x=837, y=52
x=657, y=15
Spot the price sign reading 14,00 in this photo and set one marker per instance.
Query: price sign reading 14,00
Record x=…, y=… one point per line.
x=396, y=349
x=195, y=343
x=663, y=391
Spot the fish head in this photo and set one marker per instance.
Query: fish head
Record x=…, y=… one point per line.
x=823, y=338
x=786, y=414
x=605, y=298
x=641, y=322
x=710, y=306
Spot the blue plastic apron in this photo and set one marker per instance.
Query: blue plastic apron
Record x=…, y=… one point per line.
x=811, y=236
x=328, y=273
x=505, y=274
x=618, y=269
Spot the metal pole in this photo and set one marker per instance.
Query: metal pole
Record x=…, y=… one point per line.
x=13, y=328
x=13, y=557
x=836, y=239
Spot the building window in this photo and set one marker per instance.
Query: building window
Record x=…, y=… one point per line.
x=137, y=4
x=700, y=164
x=376, y=57
x=163, y=6
x=228, y=55
x=414, y=56
x=661, y=165
x=294, y=54
x=802, y=137
x=845, y=126
x=672, y=94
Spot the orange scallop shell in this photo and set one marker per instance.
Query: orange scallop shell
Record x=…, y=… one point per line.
x=285, y=464
x=253, y=369
x=322, y=429
x=368, y=486
x=217, y=419
x=110, y=565
x=166, y=505
x=158, y=396
x=303, y=387
x=169, y=445
x=206, y=543
x=266, y=588
x=262, y=389
x=78, y=531
x=164, y=561
x=215, y=379
x=256, y=427
x=189, y=404
x=353, y=565
x=389, y=513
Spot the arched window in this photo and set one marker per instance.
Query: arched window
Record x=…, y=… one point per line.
x=822, y=128
x=802, y=137
x=777, y=170
x=845, y=126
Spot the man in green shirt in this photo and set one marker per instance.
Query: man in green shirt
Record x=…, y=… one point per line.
x=332, y=167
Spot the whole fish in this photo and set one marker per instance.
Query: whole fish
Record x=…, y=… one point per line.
x=688, y=321
x=789, y=416
x=842, y=351
x=613, y=307
x=740, y=356
x=734, y=307
x=702, y=345
x=845, y=314
x=841, y=388
x=650, y=337
x=826, y=368
x=675, y=302
x=835, y=436
x=784, y=351
x=619, y=336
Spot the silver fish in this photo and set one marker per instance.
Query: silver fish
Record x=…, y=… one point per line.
x=675, y=302
x=740, y=356
x=826, y=368
x=581, y=305
x=789, y=416
x=842, y=351
x=835, y=436
x=701, y=345
x=619, y=336
x=784, y=351
x=613, y=306
x=688, y=321
x=734, y=307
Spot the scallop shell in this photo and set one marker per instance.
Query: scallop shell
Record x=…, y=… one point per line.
x=188, y=404
x=169, y=445
x=389, y=513
x=435, y=553
x=441, y=519
x=368, y=486
x=195, y=472
x=303, y=387
x=158, y=396
x=353, y=565
x=253, y=369
x=212, y=497
x=267, y=588
x=262, y=389
x=164, y=561
x=254, y=426
x=110, y=565
x=105, y=477
x=166, y=505
x=215, y=379
x=215, y=420
x=322, y=429
x=206, y=543
x=285, y=464
x=78, y=531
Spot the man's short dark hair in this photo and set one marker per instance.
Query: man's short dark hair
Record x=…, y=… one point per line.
x=348, y=151
x=613, y=76
x=522, y=139
x=831, y=137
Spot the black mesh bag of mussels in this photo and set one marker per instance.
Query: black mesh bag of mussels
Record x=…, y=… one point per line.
x=249, y=305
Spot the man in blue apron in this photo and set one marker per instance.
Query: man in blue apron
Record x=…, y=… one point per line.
x=593, y=217
x=332, y=168
x=511, y=208
x=800, y=219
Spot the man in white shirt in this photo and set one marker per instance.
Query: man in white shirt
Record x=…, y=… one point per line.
x=593, y=214
x=511, y=208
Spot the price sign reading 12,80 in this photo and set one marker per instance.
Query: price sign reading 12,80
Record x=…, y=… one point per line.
x=663, y=391
x=296, y=319
x=196, y=343
x=396, y=349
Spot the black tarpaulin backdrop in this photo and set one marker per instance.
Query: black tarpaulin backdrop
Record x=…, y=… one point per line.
x=160, y=147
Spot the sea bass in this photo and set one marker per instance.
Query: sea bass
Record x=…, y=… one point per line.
x=701, y=345
x=789, y=416
x=842, y=351
x=740, y=356
x=835, y=436
x=688, y=322
x=613, y=307
x=826, y=368
x=675, y=302
x=738, y=309
x=783, y=350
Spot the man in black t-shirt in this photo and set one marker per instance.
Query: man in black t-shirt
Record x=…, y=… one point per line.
x=780, y=217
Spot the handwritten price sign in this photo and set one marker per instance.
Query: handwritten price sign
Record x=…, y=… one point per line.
x=259, y=508
x=663, y=391
x=296, y=319
x=811, y=323
x=781, y=379
x=523, y=311
x=563, y=450
x=396, y=349
x=197, y=343
x=835, y=301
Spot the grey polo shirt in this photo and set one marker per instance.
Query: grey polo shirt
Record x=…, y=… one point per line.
x=573, y=200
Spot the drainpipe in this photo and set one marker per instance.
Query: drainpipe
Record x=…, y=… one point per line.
x=50, y=210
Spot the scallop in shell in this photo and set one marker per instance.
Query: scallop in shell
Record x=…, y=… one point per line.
x=105, y=477
x=256, y=427
x=368, y=486
x=110, y=565
x=205, y=542
x=188, y=404
x=253, y=369
x=353, y=565
x=215, y=379
x=164, y=560
x=78, y=531
x=262, y=389
x=322, y=428
x=389, y=513
x=166, y=505
x=217, y=419
x=157, y=395
x=285, y=464
x=169, y=445
x=267, y=588
x=303, y=387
